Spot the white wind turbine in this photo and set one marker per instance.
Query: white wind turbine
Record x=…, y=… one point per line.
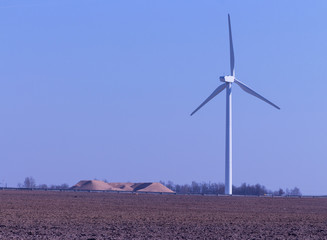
x=227, y=83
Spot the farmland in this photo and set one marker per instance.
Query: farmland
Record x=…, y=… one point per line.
x=83, y=215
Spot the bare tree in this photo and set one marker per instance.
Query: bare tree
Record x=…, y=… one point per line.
x=29, y=182
x=185, y=189
x=205, y=188
x=195, y=187
x=295, y=192
x=171, y=185
x=280, y=192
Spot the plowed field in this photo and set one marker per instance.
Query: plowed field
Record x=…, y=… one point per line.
x=77, y=215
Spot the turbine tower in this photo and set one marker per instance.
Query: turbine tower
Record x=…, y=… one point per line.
x=227, y=83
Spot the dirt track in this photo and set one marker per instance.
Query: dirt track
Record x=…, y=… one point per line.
x=69, y=215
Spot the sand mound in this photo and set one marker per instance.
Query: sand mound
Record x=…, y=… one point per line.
x=94, y=185
x=152, y=187
x=122, y=186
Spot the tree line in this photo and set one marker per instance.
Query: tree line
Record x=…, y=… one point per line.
x=219, y=188
x=193, y=188
x=30, y=182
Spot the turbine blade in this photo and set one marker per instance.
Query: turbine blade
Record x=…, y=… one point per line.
x=250, y=91
x=231, y=49
x=215, y=93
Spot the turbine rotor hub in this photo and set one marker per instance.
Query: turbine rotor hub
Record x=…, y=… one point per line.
x=228, y=79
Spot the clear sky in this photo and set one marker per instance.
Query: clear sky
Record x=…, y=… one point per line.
x=103, y=89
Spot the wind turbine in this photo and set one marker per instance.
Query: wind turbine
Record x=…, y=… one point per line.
x=227, y=83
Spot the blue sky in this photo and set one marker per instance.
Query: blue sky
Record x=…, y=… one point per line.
x=103, y=89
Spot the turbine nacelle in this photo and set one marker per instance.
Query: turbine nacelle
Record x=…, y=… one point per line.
x=228, y=79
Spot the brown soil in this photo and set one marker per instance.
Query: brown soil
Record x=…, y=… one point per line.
x=82, y=215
